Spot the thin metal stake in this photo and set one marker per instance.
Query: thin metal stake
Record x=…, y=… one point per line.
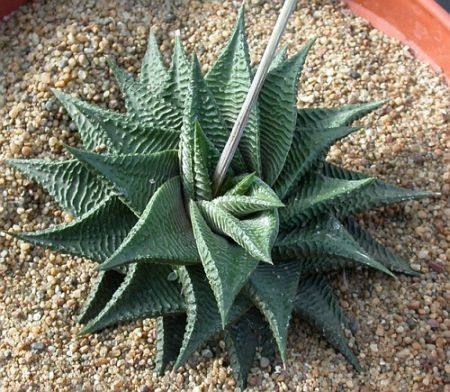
x=242, y=119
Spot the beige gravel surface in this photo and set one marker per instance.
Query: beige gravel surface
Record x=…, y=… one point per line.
x=403, y=325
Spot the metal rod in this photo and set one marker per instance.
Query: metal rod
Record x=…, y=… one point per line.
x=261, y=73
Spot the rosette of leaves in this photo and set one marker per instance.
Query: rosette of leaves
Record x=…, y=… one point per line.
x=237, y=263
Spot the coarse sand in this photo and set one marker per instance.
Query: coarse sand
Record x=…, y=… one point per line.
x=402, y=326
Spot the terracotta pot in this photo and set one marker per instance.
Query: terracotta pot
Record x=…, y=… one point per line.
x=422, y=24
x=7, y=6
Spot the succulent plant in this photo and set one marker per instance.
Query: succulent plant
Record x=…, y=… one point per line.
x=237, y=263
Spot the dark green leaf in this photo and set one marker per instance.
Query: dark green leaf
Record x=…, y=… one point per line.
x=71, y=184
x=203, y=318
x=257, y=197
x=163, y=233
x=179, y=75
x=279, y=58
x=151, y=109
x=135, y=177
x=95, y=235
x=334, y=171
x=321, y=118
x=227, y=266
x=229, y=80
x=317, y=305
x=169, y=337
x=120, y=133
x=272, y=289
x=277, y=103
x=145, y=293
x=255, y=234
x=377, y=251
x=324, y=241
x=307, y=147
x=242, y=339
x=153, y=72
x=319, y=194
x=92, y=121
x=205, y=156
x=102, y=291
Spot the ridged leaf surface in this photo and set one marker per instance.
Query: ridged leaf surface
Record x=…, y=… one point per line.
x=257, y=196
x=134, y=177
x=153, y=71
x=272, y=289
x=317, y=305
x=277, y=103
x=227, y=265
x=95, y=235
x=179, y=75
x=169, y=337
x=204, y=157
x=318, y=195
x=325, y=237
x=152, y=109
x=92, y=121
x=102, y=291
x=229, y=80
x=308, y=145
x=242, y=339
x=163, y=233
x=322, y=118
x=255, y=234
x=73, y=186
x=203, y=318
x=377, y=251
x=145, y=292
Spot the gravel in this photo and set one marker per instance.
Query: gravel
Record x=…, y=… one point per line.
x=402, y=326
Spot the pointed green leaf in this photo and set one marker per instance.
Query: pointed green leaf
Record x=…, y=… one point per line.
x=179, y=75
x=71, y=184
x=169, y=337
x=149, y=108
x=146, y=292
x=95, y=235
x=134, y=177
x=241, y=184
x=204, y=157
x=277, y=103
x=203, y=318
x=317, y=305
x=242, y=339
x=204, y=108
x=102, y=291
x=255, y=235
x=153, y=72
x=272, y=289
x=91, y=121
x=229, y=80
x=325, y=237
x=308, y=145
x=227, y=266
x=319, y=194
x=163, y=233
x=322, y=118
x=259, y=197
x=330, y=170
x=120, y=133
x=377, y=251
x=279, y=58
